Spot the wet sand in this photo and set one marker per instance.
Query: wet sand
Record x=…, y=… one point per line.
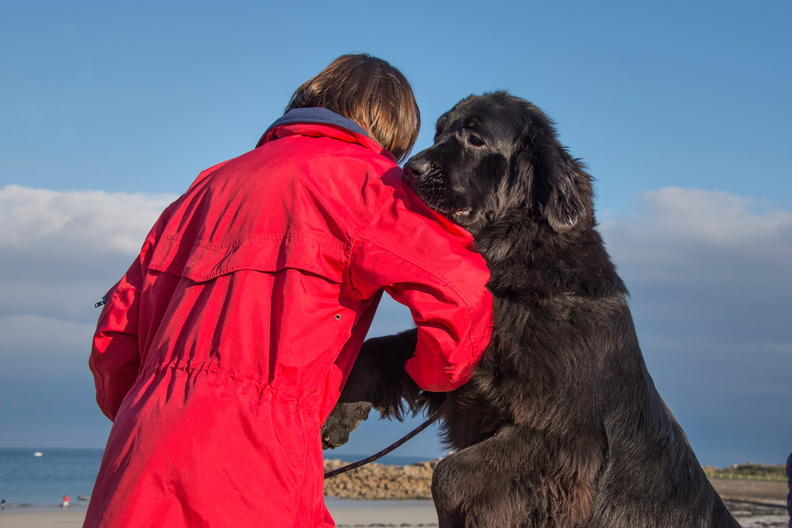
x=755, y=503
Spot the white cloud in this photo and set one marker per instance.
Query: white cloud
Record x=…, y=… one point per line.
x=715, y=217
x=60, y=251
x=55, y=222
x=710, y=237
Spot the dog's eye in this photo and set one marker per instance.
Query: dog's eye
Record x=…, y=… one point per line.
x=475, y=141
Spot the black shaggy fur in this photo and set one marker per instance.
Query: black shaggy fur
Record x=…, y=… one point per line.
x=561, y=425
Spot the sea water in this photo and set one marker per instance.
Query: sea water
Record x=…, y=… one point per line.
x=39, y=478
x=31, y=481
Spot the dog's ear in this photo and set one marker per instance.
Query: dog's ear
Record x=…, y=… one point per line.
x=555, y=184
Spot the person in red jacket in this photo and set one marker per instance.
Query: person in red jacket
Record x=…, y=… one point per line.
x=225, y=345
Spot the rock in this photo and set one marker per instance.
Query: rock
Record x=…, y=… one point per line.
x=378, y=481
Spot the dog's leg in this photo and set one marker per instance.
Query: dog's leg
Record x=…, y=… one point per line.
x=378, y=381
x=516, y=479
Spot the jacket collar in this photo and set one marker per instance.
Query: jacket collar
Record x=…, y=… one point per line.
x=319, y=121
x=317, y=115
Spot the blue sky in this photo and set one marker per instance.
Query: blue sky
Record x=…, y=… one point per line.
x=680, y=109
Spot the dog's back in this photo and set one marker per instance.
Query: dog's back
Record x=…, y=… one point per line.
x=651, y=476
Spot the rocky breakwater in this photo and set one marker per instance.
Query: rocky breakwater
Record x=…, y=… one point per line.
x=377, y=481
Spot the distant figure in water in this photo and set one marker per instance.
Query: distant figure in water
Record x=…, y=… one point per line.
x=2, y=505
x=65, y=503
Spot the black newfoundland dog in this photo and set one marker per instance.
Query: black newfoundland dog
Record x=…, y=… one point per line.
x=561, y=425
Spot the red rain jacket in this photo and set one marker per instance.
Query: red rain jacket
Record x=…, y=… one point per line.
x=224, y=347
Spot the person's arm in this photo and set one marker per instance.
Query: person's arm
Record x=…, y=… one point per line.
x=115, y=355
x=425, y=263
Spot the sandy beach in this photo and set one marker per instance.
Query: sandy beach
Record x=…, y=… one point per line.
x=754, y=504
x=347, y=514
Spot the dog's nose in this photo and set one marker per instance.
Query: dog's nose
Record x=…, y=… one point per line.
x=410, y=176
x=414, y=169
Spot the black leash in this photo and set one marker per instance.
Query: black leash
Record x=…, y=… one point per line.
x=380, y=454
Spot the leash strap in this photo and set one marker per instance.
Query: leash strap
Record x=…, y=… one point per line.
x=380, y=454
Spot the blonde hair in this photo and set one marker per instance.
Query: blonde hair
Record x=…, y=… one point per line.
x=370, y=92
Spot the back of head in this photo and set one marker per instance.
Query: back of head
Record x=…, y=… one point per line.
x=370, y=92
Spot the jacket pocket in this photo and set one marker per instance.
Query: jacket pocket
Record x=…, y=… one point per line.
x=203, y=261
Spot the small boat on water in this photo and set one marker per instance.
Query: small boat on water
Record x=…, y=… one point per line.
x=38, y=454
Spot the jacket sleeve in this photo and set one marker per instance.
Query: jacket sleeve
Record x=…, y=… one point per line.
x=115, y=354
x=426, y=263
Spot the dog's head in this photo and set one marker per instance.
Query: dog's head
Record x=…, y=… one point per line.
x=496, y=154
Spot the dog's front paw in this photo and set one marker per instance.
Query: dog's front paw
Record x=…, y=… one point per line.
x=344, y=419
